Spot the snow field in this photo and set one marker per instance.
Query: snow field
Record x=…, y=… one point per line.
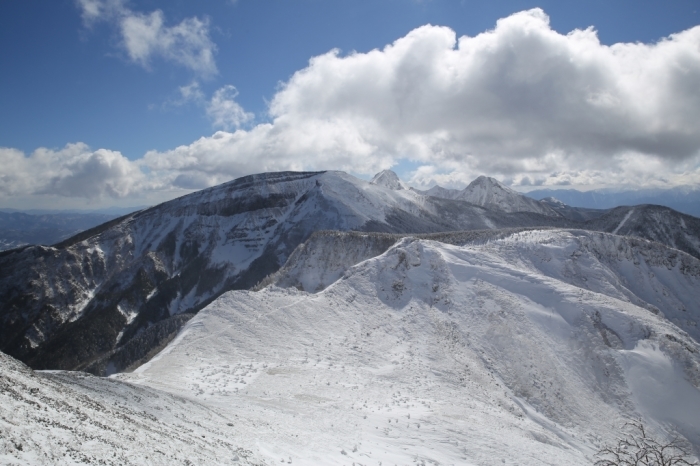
x=72, y=418
x=444, y=355
x=528, y=349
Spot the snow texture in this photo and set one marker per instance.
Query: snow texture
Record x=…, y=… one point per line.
x=527, y=348
x=75, y=418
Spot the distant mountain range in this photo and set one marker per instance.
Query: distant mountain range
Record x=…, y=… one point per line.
x=46, y=226
x=21, y=228
x=684, y=199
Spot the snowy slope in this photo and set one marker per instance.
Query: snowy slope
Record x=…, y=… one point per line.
x=488, y=192
x=79, y=303
x=72, y=305
x=653, y=222
x=531, y=348
x=74, y=418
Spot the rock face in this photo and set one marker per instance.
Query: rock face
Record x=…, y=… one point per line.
x=77, y=304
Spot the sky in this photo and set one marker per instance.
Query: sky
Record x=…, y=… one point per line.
x=117, y=102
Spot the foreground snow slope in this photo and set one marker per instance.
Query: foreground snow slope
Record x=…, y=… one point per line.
x=74, y=418
x=528, y=349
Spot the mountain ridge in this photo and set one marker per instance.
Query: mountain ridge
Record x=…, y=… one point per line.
x=490, y=193
x=685, y=199
x=541, y=337
x=72, y=305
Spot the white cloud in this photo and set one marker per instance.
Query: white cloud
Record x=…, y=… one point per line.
x=74, y=171
x=145, y=36
x=191, y=93
x=521, y=101
x=95, y=10
x=225, y=112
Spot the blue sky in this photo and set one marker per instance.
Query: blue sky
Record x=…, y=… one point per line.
x=129, y=77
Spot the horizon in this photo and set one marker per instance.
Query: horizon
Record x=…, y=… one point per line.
x=111, y=103
x=124, y=209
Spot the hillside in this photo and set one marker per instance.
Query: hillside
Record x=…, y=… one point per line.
x=524, y=346
x=71, y=305
x=531, y=347
x=74, y=418
x=107, y=299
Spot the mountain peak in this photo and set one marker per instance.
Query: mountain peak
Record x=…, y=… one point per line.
x=488, y=182
x=490, y=193
x=388, y=179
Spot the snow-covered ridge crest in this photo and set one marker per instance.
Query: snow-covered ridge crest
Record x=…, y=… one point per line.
x=490, y=193
x=71, y=305
x=527, y=346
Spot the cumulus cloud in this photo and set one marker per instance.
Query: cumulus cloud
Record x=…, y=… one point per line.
x=222, y=109
x=74, y=171
x=191, y=92
x=225, y=112
x=145, y=36
x=521, y=101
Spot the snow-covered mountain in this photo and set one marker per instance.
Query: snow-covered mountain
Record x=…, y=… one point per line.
x=490, y=193
x=652, y=222
x=439, y=191
x=684, y=199
x=388, y=179
x=108, y=298
x=580, y=214
x=72, y=305
x=525, y=348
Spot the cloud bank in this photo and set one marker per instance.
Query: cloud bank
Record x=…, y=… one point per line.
x=521, y=102
x=74, y=171
x=145, y=36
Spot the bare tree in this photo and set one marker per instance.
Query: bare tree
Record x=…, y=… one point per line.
x=638, y=448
